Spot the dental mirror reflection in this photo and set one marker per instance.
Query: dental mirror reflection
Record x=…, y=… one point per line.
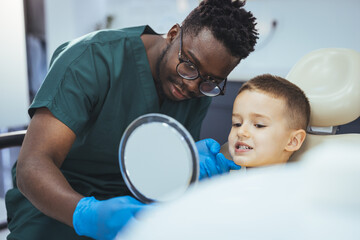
x=158, y=158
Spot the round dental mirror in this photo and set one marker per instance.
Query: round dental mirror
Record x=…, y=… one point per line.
x=158, y=158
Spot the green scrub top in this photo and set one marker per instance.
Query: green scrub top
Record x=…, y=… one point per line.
x=97, y=85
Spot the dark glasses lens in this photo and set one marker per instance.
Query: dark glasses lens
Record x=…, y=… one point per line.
x=209, y=89
x=187, y=70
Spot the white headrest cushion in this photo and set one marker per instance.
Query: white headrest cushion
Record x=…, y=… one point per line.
x=330, y=78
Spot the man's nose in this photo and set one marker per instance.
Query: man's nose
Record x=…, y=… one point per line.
x=193, y=85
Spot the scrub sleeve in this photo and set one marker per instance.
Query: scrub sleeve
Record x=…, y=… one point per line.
x=96, y=85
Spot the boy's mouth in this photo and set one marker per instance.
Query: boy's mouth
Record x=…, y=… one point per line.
x=242, y=146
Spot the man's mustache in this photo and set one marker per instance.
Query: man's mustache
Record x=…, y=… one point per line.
x=183, y=87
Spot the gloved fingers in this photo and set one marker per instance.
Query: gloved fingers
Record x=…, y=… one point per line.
x=234, y=166
x=226, y=164
x=213, y=145
x=129, y=200
x=146, y=207
x=207, y=145
x=134, y=209
x=94, y=218
x=211, y=166
x=203, y=171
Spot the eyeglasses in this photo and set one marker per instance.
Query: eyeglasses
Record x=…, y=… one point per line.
x=209, y=86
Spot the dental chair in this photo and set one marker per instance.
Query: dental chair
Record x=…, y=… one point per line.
x=331, y=80
x=8, y=140
x=12, y=139
x=315, y=196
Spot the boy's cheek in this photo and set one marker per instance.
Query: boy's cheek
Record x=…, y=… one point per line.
x=231, y=150
x=231, y=136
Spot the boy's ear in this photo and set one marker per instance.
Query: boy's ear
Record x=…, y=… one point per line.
x=172, y=33
x=296, y=140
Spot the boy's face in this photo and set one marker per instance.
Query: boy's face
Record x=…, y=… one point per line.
x=260, y=131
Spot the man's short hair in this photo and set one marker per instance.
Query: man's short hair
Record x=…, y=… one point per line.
x=228, y=21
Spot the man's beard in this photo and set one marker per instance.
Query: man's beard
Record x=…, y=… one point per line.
x=158, y=82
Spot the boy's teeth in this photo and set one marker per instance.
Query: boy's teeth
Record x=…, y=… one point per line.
x=243, y=147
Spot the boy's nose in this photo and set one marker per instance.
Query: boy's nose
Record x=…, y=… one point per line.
x=243, y=131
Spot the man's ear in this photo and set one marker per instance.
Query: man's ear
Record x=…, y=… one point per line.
x=296, y=139
x=172, y=33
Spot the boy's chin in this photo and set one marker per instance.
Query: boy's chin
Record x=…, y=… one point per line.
x=239, y=162
x=246, y=163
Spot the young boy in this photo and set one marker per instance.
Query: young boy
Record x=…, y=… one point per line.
x=269, y=121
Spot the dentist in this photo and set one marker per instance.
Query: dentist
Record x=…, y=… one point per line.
x=67, y=183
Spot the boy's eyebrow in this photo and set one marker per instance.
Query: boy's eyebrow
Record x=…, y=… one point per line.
x=259, y=115
x=254, y=115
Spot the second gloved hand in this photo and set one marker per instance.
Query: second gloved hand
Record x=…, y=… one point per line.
x=104, y=219
x=211, y=161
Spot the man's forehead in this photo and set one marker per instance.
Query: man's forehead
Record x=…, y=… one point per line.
x=205, y=50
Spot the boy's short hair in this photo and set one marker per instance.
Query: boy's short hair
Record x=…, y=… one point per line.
x=298, y=107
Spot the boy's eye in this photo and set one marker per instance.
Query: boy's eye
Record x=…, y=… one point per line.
x=259, y=125
x=236, y=124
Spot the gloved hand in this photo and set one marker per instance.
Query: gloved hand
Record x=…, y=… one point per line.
x=211, y=161
x=104, y=219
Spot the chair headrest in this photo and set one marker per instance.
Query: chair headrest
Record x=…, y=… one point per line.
x=330, y=78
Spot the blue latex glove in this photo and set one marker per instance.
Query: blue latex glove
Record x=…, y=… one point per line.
x=211, y=161
x=104, y=219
